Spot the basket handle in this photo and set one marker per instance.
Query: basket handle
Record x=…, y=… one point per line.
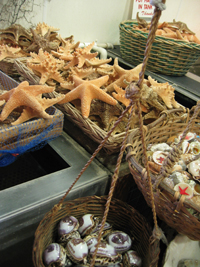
x=133, y=92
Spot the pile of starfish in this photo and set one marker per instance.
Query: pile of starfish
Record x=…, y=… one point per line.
x=93, y=86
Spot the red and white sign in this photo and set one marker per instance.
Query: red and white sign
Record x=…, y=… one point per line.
x=143, y=7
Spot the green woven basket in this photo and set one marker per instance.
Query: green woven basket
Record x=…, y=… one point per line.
x=168, y=56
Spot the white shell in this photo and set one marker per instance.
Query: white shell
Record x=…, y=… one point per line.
x=187, y=189
x=194, y=168
x=87, y=222
x=195, y=147
x=188, y=137
x=104, y=250
x=159, y=156
x=160, y=147
x=120, y=241
x=67, y=225
x=54, y=253
x=185, y=146
x=78, y=249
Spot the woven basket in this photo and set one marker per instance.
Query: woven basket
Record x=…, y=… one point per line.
x=15, y=140
x=89, y=127
x=7, y=66
x=168, y=56
x=122, y=216
x=170, y=207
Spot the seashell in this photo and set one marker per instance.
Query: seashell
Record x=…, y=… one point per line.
x=159, y=156
x=177, y=167
x=169, y=182
x=132, y=259
x=67, y=228
x=182, y=164
x=92, y=240
x=106, y=230
x=161, y=147
x=190, y=136
x=178, y=177
x=194, y=168
x=184, y=189
x=153, y=167
x=87, y=224
x=187, y=158
x=77, y=250
x=185, y=146
x=195, y=147
x=106, y=255
x=54, y=254
x=120, y=241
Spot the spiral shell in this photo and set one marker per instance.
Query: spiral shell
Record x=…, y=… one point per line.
x=87, y=224
x=120, y=241
x=67, y=228
x=54, y=253
x=77, y=250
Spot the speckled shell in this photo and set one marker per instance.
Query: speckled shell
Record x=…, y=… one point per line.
x=194, y=168
x=54, y=253
x=120, y=241
x=91, y=240
x=106, y=254
x=132, y=259
x=106, y=230
x=87, y=224
x=77, y=250
x=67, y=229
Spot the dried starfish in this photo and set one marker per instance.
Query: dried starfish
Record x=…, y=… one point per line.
x=42, y=28
x=128, y=75
x=165, y=91
x=86, y=91
x=29, y=113
x=43, y=42
x=96, y=62
x=47, y=65
x=65, y=52
x=181, y=26
x=9, y=52
x=17, y=31
x=80, y=55
x=24, y=95
x=106, y=112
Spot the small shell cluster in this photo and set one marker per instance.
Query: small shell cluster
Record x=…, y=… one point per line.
x=77, y=240
x=185, y=176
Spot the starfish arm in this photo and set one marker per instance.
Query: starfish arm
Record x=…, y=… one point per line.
x=74, y=94
x=85, y=107
x=35, y=90
x=5, y=96
x=72, y=63
x=8, y=108
x=100, y=81
x=117, y=68
x=44, y=77
x=57, y=77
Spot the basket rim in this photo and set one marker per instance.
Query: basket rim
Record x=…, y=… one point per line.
x=158, y=39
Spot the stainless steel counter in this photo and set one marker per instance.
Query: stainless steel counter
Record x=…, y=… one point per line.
x=24, y=205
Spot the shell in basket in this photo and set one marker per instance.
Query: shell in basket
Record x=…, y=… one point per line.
x=179, y=213
x=121, y=216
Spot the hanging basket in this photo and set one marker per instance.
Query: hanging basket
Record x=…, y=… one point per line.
x=170, y=207
x=168, y=56
x=122, y=217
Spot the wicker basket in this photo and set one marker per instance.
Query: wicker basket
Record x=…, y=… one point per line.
x=122, y=216
x=168, y=56
x=170, y=207
x=7, y=66
x=90, y=128
x=15, y=140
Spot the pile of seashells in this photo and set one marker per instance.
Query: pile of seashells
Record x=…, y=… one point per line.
x=185, y=176
x=76, y=245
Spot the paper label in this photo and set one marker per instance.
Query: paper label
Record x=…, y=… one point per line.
x=143, y=7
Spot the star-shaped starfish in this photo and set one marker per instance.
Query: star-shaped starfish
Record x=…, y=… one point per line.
x=128, y=75
x=80, y=55
x=29, y=113
x=23, y=95
x=65, y=52
x=86, y=91
x=9, y=52
x=183, y=191
x=47, y=65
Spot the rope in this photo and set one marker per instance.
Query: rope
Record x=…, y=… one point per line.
x=112, y=187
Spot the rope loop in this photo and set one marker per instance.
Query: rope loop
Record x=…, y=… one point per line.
x=132, y=91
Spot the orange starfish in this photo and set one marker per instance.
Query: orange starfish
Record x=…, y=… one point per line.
x=127, y=75
x=80, y=55
x=29, y=113
x=86, y=91
x=24, y=95
x=9, y=52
